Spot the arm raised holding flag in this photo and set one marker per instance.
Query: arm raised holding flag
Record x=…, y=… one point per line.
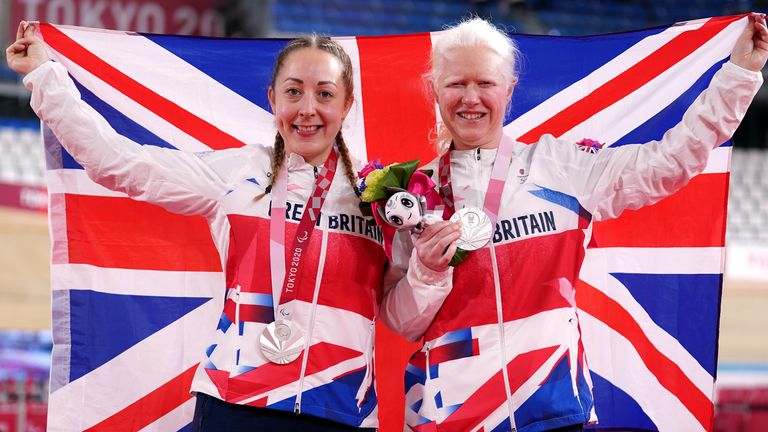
x=504, y=350
x=296, y=330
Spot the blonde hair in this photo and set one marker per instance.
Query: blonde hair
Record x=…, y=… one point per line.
x=471, y=33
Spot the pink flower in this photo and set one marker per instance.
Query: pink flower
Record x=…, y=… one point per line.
x=587, y=142
x=372, y=165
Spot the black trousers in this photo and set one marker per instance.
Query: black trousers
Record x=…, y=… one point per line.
x=572, y=428
x=215, y=415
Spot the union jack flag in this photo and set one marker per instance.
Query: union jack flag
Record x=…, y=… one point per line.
x=137, y=290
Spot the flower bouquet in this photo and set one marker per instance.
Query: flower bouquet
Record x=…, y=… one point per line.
x=401, y=197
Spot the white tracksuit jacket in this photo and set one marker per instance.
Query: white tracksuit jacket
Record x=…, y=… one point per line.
x=512, y=357
x=339, y=288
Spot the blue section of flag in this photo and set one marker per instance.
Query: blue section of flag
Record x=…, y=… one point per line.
x=100, y=328
x=120, y=122
x=220, y=58
x=616, y=409
x=67, y=161
x=687, y=306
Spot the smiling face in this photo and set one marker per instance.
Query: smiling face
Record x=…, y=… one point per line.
x=472, y=93
x=310, y=101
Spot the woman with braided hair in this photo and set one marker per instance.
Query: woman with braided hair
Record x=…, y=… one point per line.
x=293, y=346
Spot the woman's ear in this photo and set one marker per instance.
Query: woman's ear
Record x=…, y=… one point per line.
x=271, y=97
x=511, y=90
x=347, y=107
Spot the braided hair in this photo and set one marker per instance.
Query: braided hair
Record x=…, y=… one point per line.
x=328, y=45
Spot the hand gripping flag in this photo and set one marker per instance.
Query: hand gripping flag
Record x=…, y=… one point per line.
x=137, y=290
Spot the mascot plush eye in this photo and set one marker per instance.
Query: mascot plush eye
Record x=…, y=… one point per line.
x=402, y=210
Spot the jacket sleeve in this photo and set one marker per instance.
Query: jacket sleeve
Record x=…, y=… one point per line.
x=632, y=176
x=179, y=181
x=413, y=293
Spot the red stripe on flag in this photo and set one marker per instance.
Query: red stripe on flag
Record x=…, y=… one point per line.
x=670, y=375
x=676, y=221
x=123, y=233
x=187, y=122
x=398, y=63
x=150, y=407
x=630, y=80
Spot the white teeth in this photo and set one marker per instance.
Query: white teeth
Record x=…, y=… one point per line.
x=473, y=116
x=307, y=128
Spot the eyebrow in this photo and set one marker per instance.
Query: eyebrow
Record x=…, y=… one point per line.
x=319, y=82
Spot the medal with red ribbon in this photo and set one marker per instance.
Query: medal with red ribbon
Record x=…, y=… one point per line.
x=477, y=224
x=282, y=341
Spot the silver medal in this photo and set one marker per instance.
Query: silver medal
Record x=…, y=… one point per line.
x=281, y=342
x=476, y=228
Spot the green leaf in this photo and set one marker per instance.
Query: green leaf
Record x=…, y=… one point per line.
x=458, y=257
x=397, y=176
x=403, y=172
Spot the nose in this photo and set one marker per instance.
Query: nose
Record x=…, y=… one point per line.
x=471, y=95
x=307, y=107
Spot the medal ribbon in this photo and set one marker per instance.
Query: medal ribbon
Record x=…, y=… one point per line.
x=495, y=188
x=285, y=284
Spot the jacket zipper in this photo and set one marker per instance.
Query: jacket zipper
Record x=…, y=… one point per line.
x=315, y=296
x=502, y=338
x=368, y=378
x=237, y=309
x=502, y=333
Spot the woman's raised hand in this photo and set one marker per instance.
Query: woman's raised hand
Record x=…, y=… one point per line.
x=27, y=52
x=437, y=244
x=751, y=49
